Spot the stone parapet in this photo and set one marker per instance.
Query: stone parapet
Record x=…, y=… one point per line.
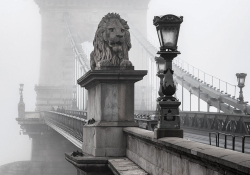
x=177, y=156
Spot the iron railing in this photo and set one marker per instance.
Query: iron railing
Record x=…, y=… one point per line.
x=218, y=122
x=233, y=140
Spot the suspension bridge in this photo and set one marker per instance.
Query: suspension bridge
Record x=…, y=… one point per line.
x=56, y=126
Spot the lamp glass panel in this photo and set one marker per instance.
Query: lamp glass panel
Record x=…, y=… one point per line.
x=242, y=81
x=159, y=36
x=169, y=36
x=161, y=66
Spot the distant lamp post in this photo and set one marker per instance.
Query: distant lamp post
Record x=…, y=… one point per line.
x=167, y=27
x=21, y=105
x=21, y=90
x=74, y=102
x=241, y=83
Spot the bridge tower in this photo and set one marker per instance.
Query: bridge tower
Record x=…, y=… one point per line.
x=57, y=65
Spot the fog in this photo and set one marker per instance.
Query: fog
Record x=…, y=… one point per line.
x=214, y=37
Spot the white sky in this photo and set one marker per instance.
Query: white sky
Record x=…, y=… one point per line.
x=214, y=37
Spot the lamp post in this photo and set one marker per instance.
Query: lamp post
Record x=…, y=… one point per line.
x=21, y=105
x=21, y=91
x=167, y=27
x=241, y=83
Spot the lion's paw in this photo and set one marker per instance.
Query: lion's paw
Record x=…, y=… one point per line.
x=103, y=63
x=126, y=63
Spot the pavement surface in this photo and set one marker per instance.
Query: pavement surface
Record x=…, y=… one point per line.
x=203, y=137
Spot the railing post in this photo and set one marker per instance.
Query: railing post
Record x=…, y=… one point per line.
x=225, y=142
x=182, y=94
x=199, y=99
x=218, y=145
x=233, y=142
x=235, y=91
x=210, y=139
x=243, y=144
x=190, y=100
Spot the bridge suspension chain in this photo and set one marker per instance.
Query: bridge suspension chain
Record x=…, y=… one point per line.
x=81, y=62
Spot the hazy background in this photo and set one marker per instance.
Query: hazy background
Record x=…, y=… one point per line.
x=214, y=37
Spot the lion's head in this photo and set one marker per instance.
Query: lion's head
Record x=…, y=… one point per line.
x=111, y=43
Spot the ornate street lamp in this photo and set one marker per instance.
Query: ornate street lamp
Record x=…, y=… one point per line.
x=21, y=90
x=167, y=27
x=21, y=105
x=241, y=83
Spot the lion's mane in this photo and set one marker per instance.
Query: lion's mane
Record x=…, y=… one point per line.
x=102, y=51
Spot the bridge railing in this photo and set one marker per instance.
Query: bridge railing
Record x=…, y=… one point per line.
x=69, y=120
x=77, y=113
x=216, y=122
x=229, y=140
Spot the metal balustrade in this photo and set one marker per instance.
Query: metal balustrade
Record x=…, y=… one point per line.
x=230, y=123
x=233, y=141
x=217, y=122
x=71, y=121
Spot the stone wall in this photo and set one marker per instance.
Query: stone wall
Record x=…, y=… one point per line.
x=177, y=156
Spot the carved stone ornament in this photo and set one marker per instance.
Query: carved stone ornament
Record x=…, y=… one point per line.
x=111, y=43
x=167, y=19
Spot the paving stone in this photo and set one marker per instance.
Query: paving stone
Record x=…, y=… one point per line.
x=125, y=167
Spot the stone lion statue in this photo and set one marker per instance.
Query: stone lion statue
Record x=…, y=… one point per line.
x=111, y=43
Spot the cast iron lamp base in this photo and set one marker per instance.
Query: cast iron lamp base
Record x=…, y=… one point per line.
x=169, y=121
x=162, y=132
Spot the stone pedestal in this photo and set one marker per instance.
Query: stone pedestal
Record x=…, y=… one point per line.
x=111, y=105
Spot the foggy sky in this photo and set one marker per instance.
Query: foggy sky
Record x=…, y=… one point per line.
x=214, y=37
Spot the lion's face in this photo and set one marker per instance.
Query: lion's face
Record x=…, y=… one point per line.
x=115, y=33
